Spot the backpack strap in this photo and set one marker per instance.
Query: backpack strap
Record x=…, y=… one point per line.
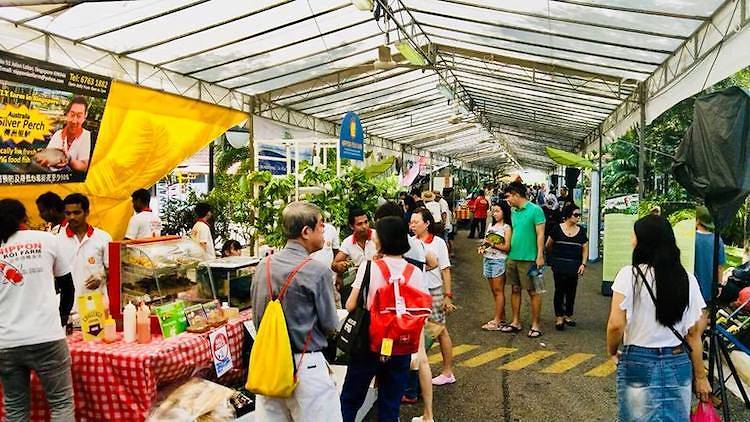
x=288, y=281
x=408, y=271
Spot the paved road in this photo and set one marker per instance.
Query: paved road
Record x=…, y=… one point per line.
x=509, y=377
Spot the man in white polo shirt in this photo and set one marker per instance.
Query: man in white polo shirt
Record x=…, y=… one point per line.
x=355, y=249
x=85, y=247
x=145, y=223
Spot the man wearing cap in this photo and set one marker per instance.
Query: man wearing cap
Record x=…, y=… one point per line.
x=434, y=208
x=704, y=251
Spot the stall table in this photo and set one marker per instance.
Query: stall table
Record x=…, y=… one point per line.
x=119, y=381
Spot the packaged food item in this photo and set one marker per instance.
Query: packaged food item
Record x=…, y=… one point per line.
x=196, y=319
x=91, y=314
x=110, y=331
x=214, y=314
x=172, y=318
x=195, y=400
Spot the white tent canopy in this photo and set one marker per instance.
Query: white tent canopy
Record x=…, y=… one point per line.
x=482, y=82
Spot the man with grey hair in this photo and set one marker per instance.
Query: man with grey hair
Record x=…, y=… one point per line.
x=310, y=317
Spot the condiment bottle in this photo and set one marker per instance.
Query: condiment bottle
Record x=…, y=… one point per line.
x=143, y=318
x=129, y=323
x=110, y=330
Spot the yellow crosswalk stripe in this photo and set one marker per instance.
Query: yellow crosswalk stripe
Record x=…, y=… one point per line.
x=603, y=370
x=568, y=363
x=457, y=350
x=527, y=360
x=487, y=357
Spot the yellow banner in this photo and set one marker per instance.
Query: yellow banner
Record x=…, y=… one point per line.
x=144, y=135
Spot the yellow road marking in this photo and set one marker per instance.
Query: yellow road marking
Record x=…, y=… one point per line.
x=603, y=370
x=487, y=357
x=527, y=360
x=568, y=363
x=457, y=350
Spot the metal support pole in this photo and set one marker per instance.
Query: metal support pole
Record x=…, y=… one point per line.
x=211, y=168
x=642, y=144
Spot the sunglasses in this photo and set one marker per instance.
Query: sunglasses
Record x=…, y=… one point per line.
x=576, y=214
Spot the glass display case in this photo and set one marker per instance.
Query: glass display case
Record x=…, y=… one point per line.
x=228, y=279
x=158, y=272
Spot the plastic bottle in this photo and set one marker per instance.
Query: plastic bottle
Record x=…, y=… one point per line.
x=143, y=319
x=129, y=323
x=110, y=331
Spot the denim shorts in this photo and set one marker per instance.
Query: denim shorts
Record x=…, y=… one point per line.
x=653, y=385
x=494, y=267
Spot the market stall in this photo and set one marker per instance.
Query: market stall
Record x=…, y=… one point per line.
x=119, y=381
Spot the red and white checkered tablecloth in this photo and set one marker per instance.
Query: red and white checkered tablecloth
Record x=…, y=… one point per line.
x=119, y=381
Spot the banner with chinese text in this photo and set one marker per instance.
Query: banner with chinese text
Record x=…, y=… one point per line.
x=49, y=120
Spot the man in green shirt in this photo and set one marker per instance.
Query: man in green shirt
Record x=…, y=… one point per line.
x=526, y=250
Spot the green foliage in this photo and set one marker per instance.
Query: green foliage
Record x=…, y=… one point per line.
x=177, y=214
x=684, y=214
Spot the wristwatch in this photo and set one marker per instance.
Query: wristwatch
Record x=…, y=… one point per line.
x=448, y=295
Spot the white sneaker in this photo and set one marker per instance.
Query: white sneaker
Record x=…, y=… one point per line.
x=421, y=419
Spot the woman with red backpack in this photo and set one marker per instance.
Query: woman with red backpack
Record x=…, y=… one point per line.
x=399, y=303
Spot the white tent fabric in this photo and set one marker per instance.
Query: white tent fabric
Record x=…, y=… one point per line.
x=502, y=80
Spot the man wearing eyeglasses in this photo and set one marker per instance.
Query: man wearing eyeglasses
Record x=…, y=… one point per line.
x=73, y=140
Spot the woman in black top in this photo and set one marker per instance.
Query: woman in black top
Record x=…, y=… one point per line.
x=567, y=251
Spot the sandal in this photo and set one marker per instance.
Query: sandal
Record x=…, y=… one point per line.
x=569, y=322
x=560, y=326
x=510, y=328
x=534, y=333
x=493, y=325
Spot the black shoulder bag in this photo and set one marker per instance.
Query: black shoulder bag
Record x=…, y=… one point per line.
x=653, y=297
x=354, y=336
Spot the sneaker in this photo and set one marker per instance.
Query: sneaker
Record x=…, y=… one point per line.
x=443, y=380
x=421, y=419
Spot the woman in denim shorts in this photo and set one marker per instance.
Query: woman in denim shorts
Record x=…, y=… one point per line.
x=495, y=247
x=662, y=351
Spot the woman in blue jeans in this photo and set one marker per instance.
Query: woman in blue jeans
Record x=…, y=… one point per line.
x=657, y=316
x=392, y=372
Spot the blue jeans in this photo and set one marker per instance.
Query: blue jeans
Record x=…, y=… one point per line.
x=51, y=362
x=653, y=384
x=392, y=378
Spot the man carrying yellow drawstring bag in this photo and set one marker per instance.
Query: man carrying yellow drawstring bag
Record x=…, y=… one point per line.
x=288, y=372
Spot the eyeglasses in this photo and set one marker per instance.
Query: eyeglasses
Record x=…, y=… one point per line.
x=576, y=214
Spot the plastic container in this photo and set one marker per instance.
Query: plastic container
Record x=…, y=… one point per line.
x=110, y=330
x=129, y=323
x=143, y=329
x=537, y=275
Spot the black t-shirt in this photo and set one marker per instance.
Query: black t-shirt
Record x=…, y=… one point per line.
x=567, y=252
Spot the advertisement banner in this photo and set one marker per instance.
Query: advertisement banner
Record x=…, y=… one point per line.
x=49, y=120
x=352, y=138
x=273, y=157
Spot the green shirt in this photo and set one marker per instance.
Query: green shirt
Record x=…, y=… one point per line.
x=523, y=245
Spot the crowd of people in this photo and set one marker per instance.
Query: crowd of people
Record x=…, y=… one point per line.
x=410, y=247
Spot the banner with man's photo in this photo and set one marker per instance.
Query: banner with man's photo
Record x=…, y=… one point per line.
x=49, y=120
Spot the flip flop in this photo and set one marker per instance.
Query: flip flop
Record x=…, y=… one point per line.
x=510, y=328
x=494, y=326
x=534, y=333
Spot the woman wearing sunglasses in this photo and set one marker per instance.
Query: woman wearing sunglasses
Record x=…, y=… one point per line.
x=567, y=252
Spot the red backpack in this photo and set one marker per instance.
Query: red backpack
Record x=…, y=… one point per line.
x=402, y=324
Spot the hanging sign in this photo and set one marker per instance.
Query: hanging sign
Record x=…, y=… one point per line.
x=49, y=120
x=352, y=138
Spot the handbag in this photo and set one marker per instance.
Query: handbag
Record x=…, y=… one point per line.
x=653, y=297
x=354, y=338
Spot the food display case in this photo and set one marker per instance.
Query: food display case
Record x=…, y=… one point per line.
x=155, y=271
x=228, y=279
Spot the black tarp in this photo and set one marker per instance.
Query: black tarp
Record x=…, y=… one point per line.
x=713, y=159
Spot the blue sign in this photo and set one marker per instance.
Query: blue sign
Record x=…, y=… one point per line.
x=352, y=138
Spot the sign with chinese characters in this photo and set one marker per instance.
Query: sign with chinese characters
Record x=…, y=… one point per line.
x=49, y=120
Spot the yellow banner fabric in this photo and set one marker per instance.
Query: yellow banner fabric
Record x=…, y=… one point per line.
x=144, y=135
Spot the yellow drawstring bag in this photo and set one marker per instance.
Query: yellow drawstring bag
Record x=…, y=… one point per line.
x=272, y=372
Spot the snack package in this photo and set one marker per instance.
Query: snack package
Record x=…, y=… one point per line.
x=196, y=318
x=195, y=400
x=91, y=315
x=172, y=318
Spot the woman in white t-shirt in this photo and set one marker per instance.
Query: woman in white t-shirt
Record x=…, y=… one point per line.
x=495, y=248
x=392, y=243
x=32, y=321
x=660, y=333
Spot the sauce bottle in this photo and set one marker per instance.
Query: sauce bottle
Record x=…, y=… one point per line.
x=143, y=319
x=129, y=323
